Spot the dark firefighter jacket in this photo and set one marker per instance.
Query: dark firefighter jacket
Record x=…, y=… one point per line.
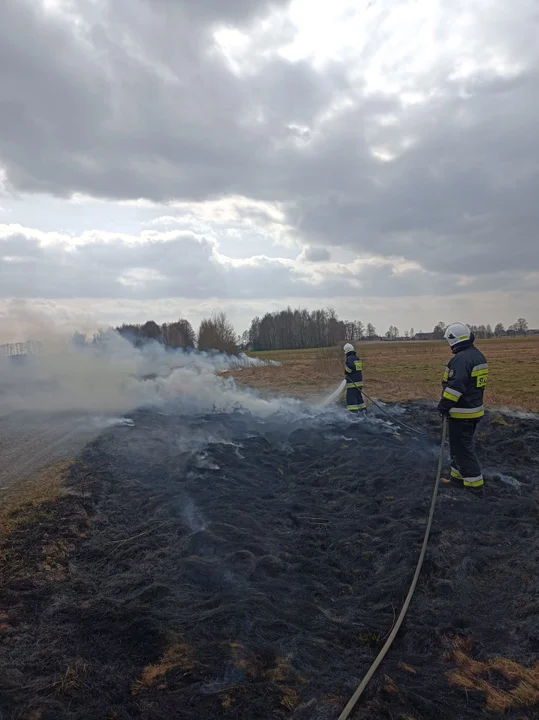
x=354, y=370
x=464, y=383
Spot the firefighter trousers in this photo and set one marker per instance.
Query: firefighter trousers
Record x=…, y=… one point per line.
x=354, y=399
x=464, y=463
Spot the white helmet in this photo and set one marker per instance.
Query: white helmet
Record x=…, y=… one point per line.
x=348, y=348
x=456, y=333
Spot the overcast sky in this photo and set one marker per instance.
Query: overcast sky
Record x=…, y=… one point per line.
x=161, y=158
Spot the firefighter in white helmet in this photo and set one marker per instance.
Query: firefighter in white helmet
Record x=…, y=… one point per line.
x=463, y=385
x=354, y=380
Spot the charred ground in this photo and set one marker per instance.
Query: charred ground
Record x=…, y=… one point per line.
x=227, y=566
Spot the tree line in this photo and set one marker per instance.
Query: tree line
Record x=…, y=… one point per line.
x=285, y=330
x=300, y=329
x=214, y=333
x=485, y=332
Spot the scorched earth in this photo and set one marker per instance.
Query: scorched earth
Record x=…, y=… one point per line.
x=228, y=566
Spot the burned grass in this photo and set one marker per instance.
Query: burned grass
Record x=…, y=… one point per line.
x=403, y=371
x=255, y=574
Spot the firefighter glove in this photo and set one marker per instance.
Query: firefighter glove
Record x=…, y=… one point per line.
x=444, y=407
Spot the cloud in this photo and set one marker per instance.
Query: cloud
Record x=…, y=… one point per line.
x=152, y=265
x=399, y=137
x=144, y=106
x=315, y=254
x=179, y=263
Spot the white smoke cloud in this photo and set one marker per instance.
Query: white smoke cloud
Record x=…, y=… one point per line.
x=54, y=402
x=114, y=377
x=41, y=321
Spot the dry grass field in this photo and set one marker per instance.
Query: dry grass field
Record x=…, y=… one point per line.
x=403, y=371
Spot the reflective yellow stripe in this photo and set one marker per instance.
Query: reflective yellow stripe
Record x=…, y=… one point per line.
x=455, y=474
x=356, y=407
x=350, y=386
x=464, y=337
x=450, y=394
x=481, y=373
x=446, y=374
x=348, y=369
x=358, y=364
x=458, y=414
x=473, y=482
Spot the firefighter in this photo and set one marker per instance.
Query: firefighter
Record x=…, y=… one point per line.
x=354, y=380
x=463, y=385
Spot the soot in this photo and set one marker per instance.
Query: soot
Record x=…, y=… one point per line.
x=225, y=566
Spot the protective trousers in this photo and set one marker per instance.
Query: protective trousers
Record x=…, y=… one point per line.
x=464, y=463
x=354, y=399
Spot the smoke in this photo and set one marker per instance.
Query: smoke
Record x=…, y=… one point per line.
x=518, y=414
x=91, y=385
x=54, y=402
x=41, y=321
x=242, y=360
x=111, y=376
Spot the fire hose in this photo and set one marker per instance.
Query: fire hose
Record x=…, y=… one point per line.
x=389, y=415
x=381, y=655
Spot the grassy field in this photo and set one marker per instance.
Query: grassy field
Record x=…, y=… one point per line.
x=403, y=371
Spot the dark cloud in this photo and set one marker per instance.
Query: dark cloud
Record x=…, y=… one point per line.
x=210, y=12
x=315, y=255
x=135, y=100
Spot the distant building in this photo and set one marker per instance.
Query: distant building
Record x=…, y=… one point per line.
x=425, y=336
x=21, y=348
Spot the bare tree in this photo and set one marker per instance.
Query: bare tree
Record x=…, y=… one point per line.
x=151, y=331
x=296, y=329
x=439, y=330
x=179, y=334
x=371, y=331
x=79, y=340
x=132, y=333
x=499, y=330
x=521, y=326
x=349, y=331
x=244, y=340
x=217, y=333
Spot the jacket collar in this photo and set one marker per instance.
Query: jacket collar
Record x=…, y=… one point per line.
x=461, y=346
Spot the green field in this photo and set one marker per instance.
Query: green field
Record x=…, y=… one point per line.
x=403, y=371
